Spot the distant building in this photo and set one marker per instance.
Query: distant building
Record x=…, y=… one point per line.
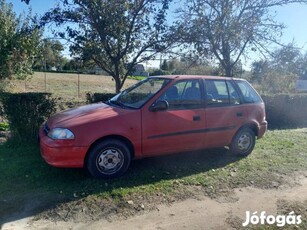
x=301, y=83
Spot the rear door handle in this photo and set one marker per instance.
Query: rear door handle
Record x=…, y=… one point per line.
x=239, y=114
x=196, y=118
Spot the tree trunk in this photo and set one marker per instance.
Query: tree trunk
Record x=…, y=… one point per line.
x=228, y=71
x=117, y=84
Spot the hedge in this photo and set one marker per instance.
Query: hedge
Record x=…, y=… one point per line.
x=286, y=110
x=98, y=97
x=25, y=112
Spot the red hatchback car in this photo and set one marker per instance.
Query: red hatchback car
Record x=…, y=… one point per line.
x=159, y=115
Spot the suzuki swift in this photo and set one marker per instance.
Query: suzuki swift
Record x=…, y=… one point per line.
x=159, y=115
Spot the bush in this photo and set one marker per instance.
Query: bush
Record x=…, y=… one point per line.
x=25, y=112
x=159, y=72
x=286, y=110
x=98, y=97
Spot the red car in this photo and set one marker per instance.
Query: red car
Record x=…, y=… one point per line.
x=159, y=115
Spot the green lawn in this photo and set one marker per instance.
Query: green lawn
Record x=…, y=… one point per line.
x=24, y=175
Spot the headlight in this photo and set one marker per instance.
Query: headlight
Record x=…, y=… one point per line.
x=61, y=134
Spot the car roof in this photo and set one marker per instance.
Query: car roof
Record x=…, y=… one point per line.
x=182, y=77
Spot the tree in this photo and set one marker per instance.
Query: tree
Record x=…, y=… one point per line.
x=19, y=38
x=164, y=66
x=116, y=35
x=49, y=55
x=228, y=29
x=280, y=72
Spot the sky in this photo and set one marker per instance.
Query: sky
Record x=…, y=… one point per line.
x=293, y=16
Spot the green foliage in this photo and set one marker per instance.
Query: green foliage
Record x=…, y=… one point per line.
x=273, y=82
x=116, y=35
x=25, y=113
x=279, y=73
x=49, y=55
x=286, y=110
x=158, y=72
x=19, y=38
x=98, y=97
x=138, y=78
x=4, y=126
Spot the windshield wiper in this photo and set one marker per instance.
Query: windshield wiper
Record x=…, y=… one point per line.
x=120, y=104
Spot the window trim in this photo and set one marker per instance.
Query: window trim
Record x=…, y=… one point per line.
x=217, y=105
x=243, y=101
x=201, y=88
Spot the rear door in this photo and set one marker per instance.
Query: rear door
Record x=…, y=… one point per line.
x=180, y=127
x=225, y=113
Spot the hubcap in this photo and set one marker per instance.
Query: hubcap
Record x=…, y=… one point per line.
x=244, y=142
x=110, y=160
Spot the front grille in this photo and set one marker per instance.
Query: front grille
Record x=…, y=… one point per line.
x=46, y=129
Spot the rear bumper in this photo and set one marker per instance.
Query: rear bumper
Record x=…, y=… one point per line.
x=262, y=129
x=63, y=153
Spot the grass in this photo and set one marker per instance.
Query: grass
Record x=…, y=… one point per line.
x=24, y=174
x=138, y=78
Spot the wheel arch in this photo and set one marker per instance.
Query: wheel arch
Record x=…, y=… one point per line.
x=113, y=137
x=252, y=126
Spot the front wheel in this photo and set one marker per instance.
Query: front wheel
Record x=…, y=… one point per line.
x=108, y=159
x=243, y=142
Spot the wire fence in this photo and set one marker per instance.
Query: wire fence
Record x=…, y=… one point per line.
x=66, y=85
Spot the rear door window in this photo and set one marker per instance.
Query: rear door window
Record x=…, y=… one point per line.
x=221, y=93
x=248, y=92
x=234, y=96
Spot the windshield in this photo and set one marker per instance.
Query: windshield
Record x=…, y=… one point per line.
x=137, y=95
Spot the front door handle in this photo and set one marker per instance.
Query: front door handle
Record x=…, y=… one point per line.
x=196, y=118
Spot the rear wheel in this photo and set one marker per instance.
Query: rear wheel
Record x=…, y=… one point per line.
x=243, y=142
x=108, y=159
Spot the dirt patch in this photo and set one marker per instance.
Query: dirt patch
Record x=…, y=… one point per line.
x=161, y=212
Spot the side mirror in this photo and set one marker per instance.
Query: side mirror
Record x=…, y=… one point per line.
x=159, y=106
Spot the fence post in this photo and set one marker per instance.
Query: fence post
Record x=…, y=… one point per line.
x=78, y=84
x=45, y=81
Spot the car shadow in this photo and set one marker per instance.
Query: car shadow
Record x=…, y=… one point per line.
x=181, y=164
x=79, y=184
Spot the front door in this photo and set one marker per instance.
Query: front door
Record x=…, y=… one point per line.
x=179, y=128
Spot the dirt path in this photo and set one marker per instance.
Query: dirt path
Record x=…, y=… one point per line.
x=203, y=213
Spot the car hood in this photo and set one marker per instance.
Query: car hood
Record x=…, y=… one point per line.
x=83, y=114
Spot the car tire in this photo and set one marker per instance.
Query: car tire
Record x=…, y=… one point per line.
x=108, y=159
x=243, y=142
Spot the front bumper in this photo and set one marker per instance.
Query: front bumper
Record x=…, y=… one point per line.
x=61, y=153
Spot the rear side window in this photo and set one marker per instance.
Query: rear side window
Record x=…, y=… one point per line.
x=221, y=93
x=233, y=94
x=248, y=92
